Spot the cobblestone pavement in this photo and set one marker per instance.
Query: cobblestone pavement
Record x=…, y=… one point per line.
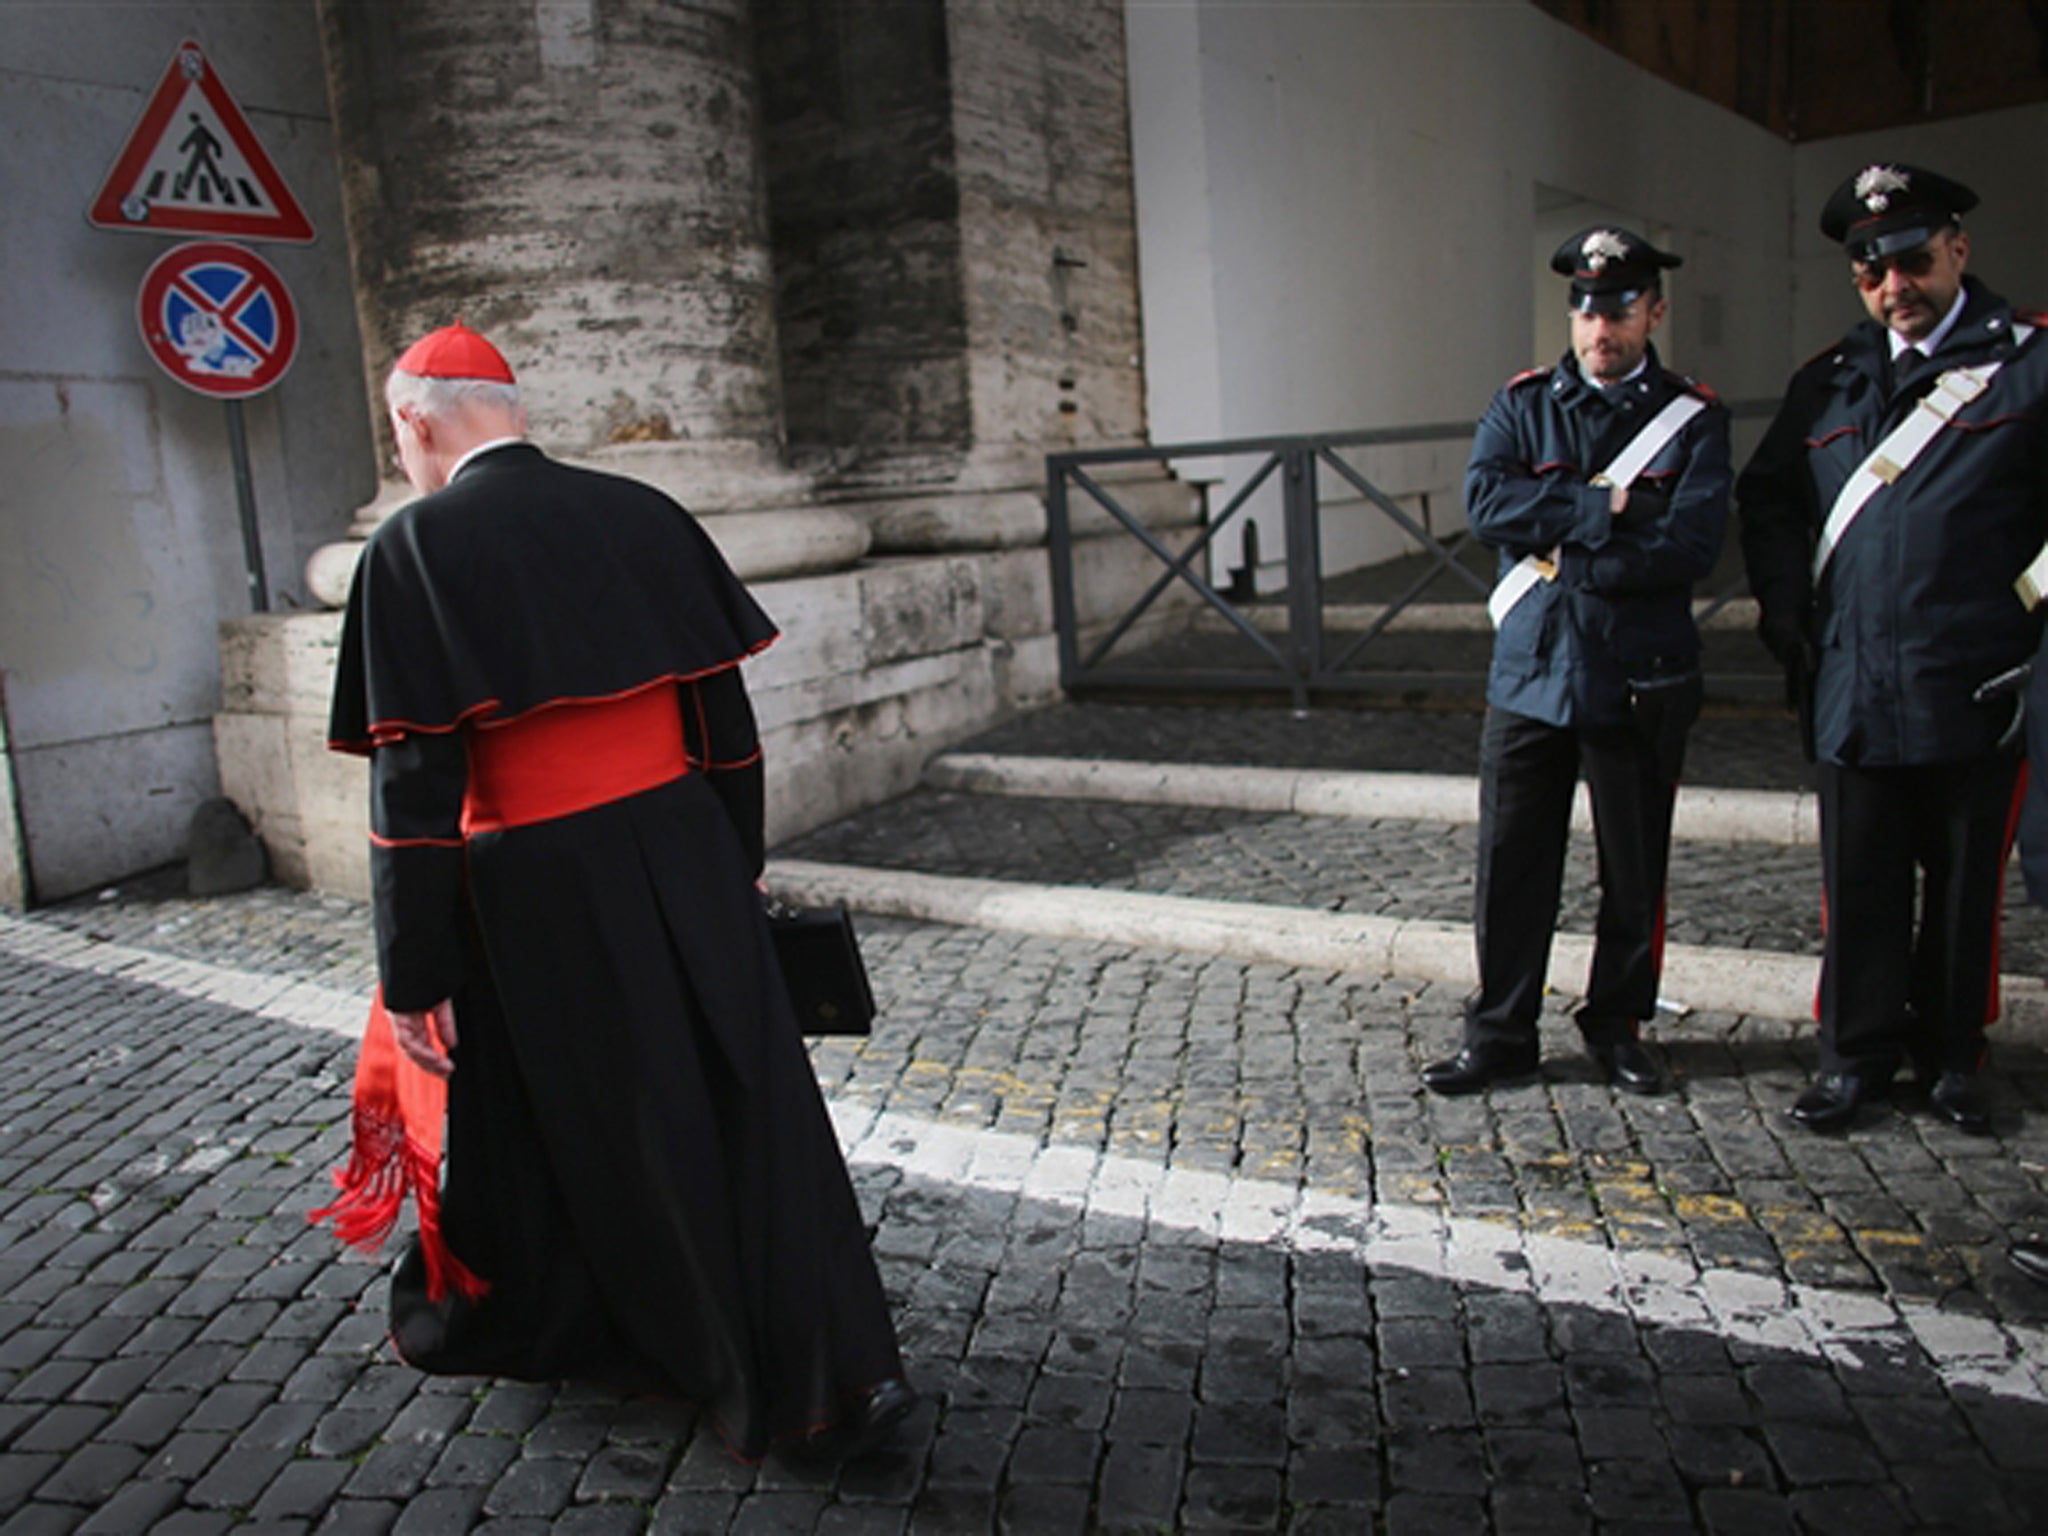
x=1175, y=1246
x=1175, y=1243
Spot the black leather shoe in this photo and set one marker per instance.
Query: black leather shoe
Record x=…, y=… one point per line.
x=1830, y=1103
x=1631, y=1066
x=2030, y=1259
x=875, y=1415
x=1476, y=1067
x=1958, y=1099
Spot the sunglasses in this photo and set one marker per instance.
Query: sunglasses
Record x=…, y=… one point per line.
x=1869, y=275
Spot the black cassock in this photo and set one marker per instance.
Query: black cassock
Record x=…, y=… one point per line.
x=638, y=1161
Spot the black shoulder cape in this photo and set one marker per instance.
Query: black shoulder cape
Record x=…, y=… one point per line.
x=525, y=582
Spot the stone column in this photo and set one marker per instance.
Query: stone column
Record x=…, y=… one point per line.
x=581, y=180
x=951, y=208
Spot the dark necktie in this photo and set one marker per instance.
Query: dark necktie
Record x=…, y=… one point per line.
x=1908, y=359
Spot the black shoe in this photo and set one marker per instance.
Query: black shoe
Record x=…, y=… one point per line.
x=1631, y=1066
x=1958, y=1099
x=1477, y=1067
x=874, y=1416
x=1831, y=1102
x=2030, y=1259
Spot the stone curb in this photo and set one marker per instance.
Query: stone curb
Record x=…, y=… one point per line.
x=1697, y=978
x=1785, y=818
x=1736, y=614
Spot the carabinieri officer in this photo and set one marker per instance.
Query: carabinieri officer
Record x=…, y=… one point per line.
x=1603, y=482
x=1898, y=495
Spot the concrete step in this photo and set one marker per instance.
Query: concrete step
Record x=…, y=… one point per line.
x=1442, y=666
x=1785, y=818
x=1334, y=840
x=1696, y=978
x=1728, y=749
x=1733, y=615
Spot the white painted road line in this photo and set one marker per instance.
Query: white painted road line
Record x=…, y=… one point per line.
x=2004, y=1360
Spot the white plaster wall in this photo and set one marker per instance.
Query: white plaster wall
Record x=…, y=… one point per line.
x=120, y=544
x=13, y=883
x=1339, y=208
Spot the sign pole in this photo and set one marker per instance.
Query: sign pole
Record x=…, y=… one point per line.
x=245, y=501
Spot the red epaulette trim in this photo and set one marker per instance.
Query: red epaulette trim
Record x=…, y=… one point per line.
x=2031, y=316
x=1693, y=386
x=1526, y=375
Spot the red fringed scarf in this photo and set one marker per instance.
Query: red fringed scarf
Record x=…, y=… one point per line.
x=397, y=1126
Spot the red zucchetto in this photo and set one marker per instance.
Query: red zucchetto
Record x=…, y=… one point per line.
x=455, y=352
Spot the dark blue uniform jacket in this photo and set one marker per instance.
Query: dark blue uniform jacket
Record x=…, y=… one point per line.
x=1621, y=606
x=1916, y=607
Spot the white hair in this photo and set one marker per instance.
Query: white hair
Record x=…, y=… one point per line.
x=444, y=399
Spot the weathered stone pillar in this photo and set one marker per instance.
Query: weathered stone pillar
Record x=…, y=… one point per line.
x=951, y=209
x=947, y=291
x=581, y=180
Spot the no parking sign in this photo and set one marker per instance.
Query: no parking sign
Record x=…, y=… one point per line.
x=217, y=318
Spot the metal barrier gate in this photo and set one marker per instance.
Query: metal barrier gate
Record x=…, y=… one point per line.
x=1301, y=659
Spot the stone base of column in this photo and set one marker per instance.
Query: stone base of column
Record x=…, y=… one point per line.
x=754, y=510
x=762, y=520
x=878, y=669
x=1016, y=518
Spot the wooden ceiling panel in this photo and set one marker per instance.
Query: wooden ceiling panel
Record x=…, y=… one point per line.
x=1809, y=69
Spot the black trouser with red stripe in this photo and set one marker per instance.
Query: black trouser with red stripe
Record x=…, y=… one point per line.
x=1528, y=776
x=1913, y=872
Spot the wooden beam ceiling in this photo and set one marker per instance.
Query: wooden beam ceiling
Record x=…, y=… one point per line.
x=1812, y=69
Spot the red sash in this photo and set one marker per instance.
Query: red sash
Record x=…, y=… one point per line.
x=564, y=758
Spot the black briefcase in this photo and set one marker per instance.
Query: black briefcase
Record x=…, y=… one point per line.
x=822, y=968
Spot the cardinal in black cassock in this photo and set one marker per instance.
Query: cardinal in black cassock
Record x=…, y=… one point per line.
x=640, y=1183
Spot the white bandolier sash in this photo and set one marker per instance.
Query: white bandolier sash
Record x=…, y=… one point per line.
x=2033, y=581
x=1892, y=457
x=1633, y=459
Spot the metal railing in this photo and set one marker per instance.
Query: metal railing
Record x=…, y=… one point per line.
x=1302, y=658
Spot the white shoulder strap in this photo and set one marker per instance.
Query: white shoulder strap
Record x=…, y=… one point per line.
x=1648, y=443
x=1892, y=457
x=1633, y=459
x=2033, y=581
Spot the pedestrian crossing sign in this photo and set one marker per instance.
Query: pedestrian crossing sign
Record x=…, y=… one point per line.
x=192, y=166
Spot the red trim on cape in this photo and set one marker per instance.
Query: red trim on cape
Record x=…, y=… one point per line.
x=378, y=840
x=385, y=731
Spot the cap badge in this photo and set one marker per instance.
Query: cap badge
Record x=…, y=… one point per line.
x=1876, y=184
x=1601, y=247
